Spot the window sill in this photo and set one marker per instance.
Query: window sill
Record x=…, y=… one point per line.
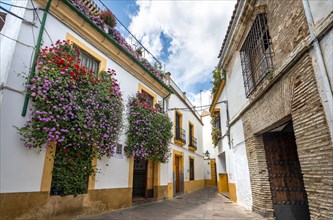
x=179, y=142
x=192, y=148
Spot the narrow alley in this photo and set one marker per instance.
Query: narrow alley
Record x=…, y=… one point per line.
x=205, y=203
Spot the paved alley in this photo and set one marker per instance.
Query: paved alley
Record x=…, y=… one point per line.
x=206, y=203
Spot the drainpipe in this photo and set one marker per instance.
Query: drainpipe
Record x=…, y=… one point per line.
x=323, y=81
x=227, y=133
x=167, y=77
x=39, y=42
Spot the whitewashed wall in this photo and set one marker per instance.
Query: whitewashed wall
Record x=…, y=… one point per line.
x=232, y=152
x=21, y=168
x=188, y=116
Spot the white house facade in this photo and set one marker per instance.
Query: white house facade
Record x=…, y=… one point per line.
x=26, y=174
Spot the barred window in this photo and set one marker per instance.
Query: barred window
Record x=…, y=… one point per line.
x=88, y=60
x=119, y=149
x=191, y=169
x=256, y=54
x=150, y=98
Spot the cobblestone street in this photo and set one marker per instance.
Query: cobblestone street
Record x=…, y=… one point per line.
x=206, y=203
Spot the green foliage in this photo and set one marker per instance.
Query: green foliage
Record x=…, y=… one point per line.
x=217, y=79
x=216, y=132
x=78, y=110
x=108, y=18
x=149, y=130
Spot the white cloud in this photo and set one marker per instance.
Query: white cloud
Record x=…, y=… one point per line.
x=196, y=29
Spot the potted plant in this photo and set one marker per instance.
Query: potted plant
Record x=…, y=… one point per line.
x=108, y=17
x=139, y=51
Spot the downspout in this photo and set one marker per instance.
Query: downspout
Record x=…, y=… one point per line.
x=228, y=124
x=322, y=77
x=165, y=99
x=167, y=78
x=33, y=68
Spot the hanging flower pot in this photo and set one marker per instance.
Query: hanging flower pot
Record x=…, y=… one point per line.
x=108, y=18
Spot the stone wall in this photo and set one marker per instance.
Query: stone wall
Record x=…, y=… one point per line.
x=294, y=97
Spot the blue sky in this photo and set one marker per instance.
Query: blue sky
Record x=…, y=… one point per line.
x=184, y=35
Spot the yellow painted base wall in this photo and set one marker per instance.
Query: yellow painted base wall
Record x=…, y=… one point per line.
x=39, y=205
x=160, y=192
x=170, y=190
x=232, y=192
x=223, y=185
x=210, y=182
x=190, y=186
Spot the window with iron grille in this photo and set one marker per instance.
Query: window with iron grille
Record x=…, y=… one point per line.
x=256, y=54
x=191, y=169
x=88, y=61
x=218, y=120
x=119, y=149
x=150, y=98
x=180, y=134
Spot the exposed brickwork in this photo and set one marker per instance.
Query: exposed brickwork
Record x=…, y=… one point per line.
x=261, y=192
x=287, y=27
x=314, y=145
x=295, y=95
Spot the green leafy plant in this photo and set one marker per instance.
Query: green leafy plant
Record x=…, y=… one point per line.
x=217, y=79
x=216, y=131
x=108, y=17
x=76, y=109
x=149, y=130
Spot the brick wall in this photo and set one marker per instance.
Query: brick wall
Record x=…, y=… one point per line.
x=287, y=27
x=315, y=150
x=294, y=97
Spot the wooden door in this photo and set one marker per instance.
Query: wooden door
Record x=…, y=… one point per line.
x=139, y=178
x=177, y=170
x=286, y=179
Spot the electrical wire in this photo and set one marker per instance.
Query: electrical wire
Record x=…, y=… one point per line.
x=16, y=6
x=132, y=34
x=40, y=21
x=203, y=106
x=18, y=41
x=11, y=13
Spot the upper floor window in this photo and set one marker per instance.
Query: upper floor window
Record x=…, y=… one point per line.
x=256, y=54
x=150, y=98
x=180, y=136
x=192, y=139
x=217, y=120
x=88, y=61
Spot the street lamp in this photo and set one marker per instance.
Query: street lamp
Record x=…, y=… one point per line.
x=207, y=154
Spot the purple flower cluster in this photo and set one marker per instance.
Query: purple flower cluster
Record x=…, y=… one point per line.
x=149, y=131
x=121, y=40
x=83, y=7
x=72, y=107
x=96, y=18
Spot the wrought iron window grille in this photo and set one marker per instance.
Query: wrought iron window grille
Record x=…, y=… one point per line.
x=180, y=134
x=256, y=54
x=193, y=142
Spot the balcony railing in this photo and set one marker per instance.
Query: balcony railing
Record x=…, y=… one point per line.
x=180, y=135
x=193, y=142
